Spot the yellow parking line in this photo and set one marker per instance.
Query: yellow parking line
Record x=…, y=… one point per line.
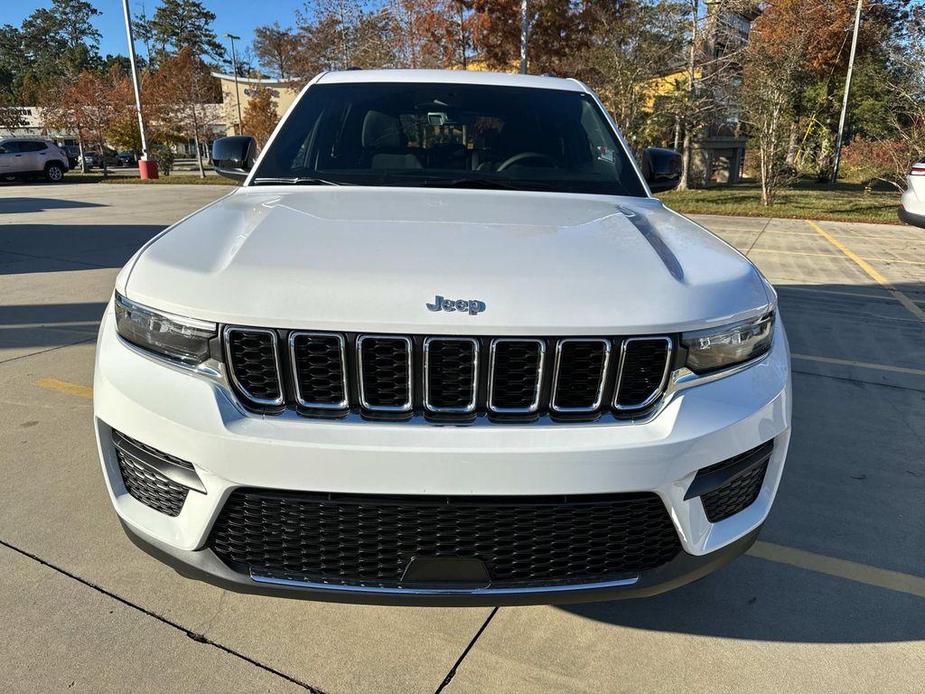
x=900, y=261
x=840, y=568
x=861, y=364
x=65, y=387
x=835, y=292
x=871, y=271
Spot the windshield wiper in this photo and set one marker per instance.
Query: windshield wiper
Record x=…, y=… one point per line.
x=296, y=181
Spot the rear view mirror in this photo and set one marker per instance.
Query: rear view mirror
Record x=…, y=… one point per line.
x=661, y=168
x=233, y=157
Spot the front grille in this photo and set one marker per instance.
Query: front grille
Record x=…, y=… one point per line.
x=516, y=373
x=579, y=379
x=446, y=377
x=253, y=357
x=644, y=367
x=735, y=496
x=146, y=484
x=319, y=370
x=370, y=540
x=385, y=373
x=450, y=374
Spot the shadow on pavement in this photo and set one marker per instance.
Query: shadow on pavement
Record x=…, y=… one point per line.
x=28, y=248
x=757, y=600
x=853, y=487
x=27, y=204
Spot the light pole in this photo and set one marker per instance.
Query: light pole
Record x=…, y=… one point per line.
x=234, y=69
x=131, y=59
x=844, y=106
x=524, y=34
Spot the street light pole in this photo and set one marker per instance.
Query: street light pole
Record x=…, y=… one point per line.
x=234, y=68
x=844, y=106
x=524, y=34
x=131, y=59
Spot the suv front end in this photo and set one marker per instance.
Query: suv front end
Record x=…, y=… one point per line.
x=288, y=401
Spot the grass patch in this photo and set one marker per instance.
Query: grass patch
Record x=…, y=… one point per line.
x=843, y=202
x=172, y=179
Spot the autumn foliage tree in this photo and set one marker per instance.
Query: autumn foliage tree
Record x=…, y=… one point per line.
x=260, y=114
x=178, y=85
x=88, y=105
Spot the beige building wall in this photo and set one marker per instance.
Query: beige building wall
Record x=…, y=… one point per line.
x=284, y=93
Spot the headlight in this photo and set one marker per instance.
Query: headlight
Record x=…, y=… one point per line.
x=719, y=348
x=181, y=339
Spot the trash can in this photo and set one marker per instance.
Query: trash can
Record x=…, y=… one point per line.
x=147, y=168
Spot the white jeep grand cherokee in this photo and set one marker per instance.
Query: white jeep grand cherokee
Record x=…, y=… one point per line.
x=442, y=347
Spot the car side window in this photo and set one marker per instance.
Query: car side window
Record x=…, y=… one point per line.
x=12, y=147
x=33, y=146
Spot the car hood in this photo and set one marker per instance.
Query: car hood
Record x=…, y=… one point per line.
x=371, y=259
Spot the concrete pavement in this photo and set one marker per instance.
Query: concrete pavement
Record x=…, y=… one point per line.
x=833, y=599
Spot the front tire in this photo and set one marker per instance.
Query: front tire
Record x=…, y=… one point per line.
x=54, y=172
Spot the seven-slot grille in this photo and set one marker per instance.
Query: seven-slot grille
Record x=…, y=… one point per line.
x=446, y=376
x=370, y=540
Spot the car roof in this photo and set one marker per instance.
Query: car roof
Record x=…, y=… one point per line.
x=451, y=77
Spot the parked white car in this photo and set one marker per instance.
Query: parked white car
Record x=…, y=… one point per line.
x=442, y=347
x=912, y=203
x=29, y=157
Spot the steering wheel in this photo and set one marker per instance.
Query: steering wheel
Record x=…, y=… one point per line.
x=510, y=161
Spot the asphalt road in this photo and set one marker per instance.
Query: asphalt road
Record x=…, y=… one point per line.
x=832, y=598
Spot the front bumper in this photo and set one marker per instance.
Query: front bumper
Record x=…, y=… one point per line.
x=203, y=565
x=196, y=419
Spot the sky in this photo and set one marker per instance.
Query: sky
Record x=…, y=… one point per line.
x=232, y=16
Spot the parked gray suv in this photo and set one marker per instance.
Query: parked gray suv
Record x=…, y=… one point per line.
x=20, y=157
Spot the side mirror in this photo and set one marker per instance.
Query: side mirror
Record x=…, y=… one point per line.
x=233, y=157
x=661, y=168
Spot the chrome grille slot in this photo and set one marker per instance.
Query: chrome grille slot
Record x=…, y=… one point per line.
x=451, y=374
x=645, y=363
x=578, y=381
x=253, y=360
x=515, y=375
x=385, y=373
x=319, y=370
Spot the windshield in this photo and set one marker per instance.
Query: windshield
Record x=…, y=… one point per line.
x=449, y=135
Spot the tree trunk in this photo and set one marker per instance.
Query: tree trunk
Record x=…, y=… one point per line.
x=765, y=193
x=80, y=152
x=677, y=131
x=103, y=158
x=793, y=145
x=685, y=161
x=684, y=183
x=202, y=172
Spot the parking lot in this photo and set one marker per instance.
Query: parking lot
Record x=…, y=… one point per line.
x=832, y=597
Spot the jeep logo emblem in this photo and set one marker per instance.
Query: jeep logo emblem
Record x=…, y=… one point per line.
x=472, y=306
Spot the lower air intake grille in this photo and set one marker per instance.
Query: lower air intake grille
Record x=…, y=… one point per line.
x=369, y=540
x=734, y=496
x=145, y=484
